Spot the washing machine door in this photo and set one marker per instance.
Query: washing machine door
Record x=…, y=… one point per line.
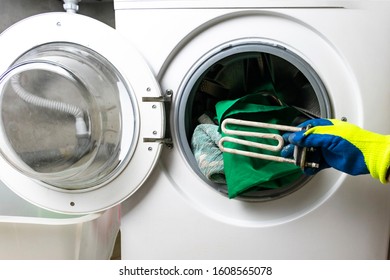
x=80, y=114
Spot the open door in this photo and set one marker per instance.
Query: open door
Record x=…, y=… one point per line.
x=80, y=114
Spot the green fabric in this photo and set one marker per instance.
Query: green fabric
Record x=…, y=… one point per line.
x=245, y=173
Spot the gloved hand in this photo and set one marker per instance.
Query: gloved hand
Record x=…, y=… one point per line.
x=343, y=146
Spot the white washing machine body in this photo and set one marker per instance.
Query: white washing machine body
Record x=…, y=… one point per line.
x=83, y=123
x=343, y=45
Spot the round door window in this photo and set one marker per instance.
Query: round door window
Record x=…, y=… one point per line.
x=62, y=120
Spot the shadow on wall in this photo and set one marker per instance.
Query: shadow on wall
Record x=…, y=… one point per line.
x=12, y=11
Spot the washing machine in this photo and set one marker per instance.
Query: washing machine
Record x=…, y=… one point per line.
x=92, y=118
x=335, y=55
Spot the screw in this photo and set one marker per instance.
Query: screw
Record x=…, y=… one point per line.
x=169, y=92
x=169, y=146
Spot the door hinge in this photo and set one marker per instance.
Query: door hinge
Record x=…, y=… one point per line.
x=166, y=98
x=167, y=141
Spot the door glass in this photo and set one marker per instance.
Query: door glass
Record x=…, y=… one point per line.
x=62, y=118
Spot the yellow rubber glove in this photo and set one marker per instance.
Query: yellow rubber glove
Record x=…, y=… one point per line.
x=344, y=146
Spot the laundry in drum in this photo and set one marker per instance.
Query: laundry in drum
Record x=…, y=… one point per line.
x=206, y=151
x=257, y=101
x=244, y=173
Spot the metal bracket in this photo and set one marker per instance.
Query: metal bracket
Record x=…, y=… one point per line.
x=166, y=98
x=167, y=141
